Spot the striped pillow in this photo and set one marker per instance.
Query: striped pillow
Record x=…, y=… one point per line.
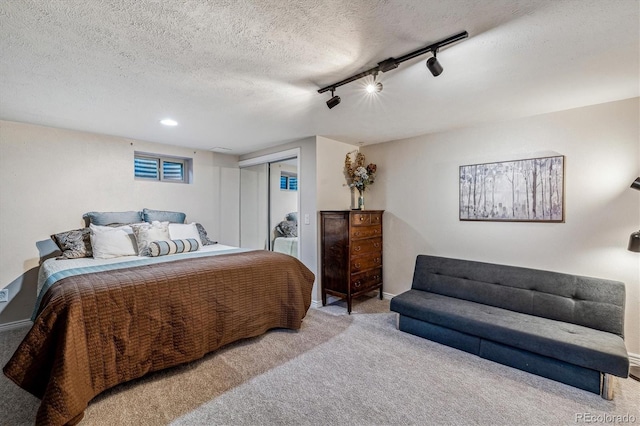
x=162, y=248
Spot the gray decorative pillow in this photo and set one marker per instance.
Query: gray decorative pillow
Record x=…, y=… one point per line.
x=163, y=216
x=146, y=233
x=108, y=218
x=74, y=244
x=206, y=241
x=287, y=228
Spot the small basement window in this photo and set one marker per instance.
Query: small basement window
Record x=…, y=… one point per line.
x=162, y=168
x=288, y=181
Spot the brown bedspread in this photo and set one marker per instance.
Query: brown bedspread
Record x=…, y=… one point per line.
x=97, y=330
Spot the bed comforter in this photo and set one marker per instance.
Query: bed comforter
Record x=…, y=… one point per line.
x=96, y=330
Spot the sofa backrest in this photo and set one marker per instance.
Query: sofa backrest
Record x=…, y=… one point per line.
x=591, y=302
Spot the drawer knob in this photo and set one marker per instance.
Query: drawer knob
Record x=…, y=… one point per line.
x=361, y=218
x=376, y=260
x=376, y=277
x=357, y=248
x=357, y=283
x=376, y=245
x=357, y=234
x=357, y=265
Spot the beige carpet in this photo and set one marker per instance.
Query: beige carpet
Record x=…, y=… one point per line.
x=337, y=369
x=163, y=396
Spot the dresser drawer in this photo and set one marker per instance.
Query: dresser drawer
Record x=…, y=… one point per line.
x=369, y=261
x=361, y=219
x=366, y=218
x=366, y=231
x=365, y=280
x=366, y=246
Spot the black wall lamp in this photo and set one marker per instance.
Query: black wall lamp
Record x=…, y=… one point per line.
x=392, y=63
x=634, y=239
x=634, y=245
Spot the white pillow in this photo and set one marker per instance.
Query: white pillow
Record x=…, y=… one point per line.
x=108, y=242
x=146, y=233
x=181, y=231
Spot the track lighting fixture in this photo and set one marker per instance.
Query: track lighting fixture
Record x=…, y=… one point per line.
x=335, y=100
x=433, y=65
x=392, y=63
x=374, y=87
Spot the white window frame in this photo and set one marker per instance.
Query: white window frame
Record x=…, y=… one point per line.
x=187, y=167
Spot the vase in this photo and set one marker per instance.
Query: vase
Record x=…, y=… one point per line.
x=361, y=201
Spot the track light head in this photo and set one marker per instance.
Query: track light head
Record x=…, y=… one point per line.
x=434, y=66
x=335, y=100
x=374, y=86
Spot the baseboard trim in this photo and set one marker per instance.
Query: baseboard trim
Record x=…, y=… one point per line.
x=15, y=324
x=634, y=359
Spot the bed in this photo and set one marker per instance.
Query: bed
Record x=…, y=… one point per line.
x=286, y=245
x=286, y=235
x=102, y=322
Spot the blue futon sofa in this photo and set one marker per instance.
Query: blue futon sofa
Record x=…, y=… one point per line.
x=564, y=327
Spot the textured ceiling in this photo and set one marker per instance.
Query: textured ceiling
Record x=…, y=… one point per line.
x=245, y=74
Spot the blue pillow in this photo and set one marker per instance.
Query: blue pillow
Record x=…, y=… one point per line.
x=293, y=216
x=163, y=216
x=108, y=218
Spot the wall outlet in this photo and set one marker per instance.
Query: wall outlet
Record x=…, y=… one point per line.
x=4, y=295
x=306, y=219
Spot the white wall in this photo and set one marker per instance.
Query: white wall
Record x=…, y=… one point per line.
x=417, y=185
x=50, y=177
x=333, y=192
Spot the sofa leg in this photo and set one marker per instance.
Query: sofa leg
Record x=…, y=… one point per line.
x=607, y=382
x=397, y=321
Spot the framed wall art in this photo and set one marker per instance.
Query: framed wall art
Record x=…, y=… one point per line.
x=529, y=190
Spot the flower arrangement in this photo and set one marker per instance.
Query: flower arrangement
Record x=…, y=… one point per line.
x=358, y=175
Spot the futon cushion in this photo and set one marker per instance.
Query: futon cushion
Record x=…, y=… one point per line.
x=591, y=302
x=568, y=342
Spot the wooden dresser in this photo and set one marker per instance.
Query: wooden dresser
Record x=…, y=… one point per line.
x=351, y=253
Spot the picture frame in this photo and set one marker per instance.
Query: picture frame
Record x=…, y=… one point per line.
x=530, y=190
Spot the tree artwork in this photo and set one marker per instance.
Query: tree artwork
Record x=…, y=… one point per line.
x=523, y=190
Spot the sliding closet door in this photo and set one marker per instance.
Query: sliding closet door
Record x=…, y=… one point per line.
x=254, y=207
x=283, y=206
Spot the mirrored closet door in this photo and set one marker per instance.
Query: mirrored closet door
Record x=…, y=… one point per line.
x=269, y=203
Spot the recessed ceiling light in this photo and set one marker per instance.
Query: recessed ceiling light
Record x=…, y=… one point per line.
x=168, y=122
